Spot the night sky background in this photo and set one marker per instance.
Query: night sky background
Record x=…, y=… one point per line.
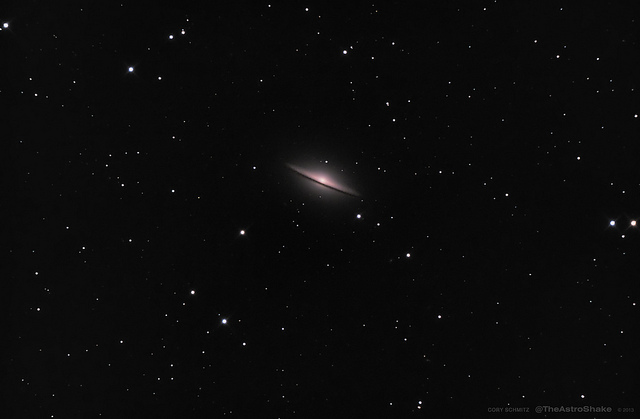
x=161, y=259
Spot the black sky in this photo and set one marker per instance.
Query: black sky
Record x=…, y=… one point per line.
x=161, y=260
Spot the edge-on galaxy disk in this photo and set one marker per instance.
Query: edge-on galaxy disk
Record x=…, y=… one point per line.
x=323, y=179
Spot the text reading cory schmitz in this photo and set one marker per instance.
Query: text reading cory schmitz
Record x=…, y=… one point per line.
x=508, y=409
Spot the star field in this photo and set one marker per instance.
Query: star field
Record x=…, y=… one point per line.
x=164, y=257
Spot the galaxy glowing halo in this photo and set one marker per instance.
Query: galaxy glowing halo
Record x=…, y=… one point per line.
x=323, y=179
